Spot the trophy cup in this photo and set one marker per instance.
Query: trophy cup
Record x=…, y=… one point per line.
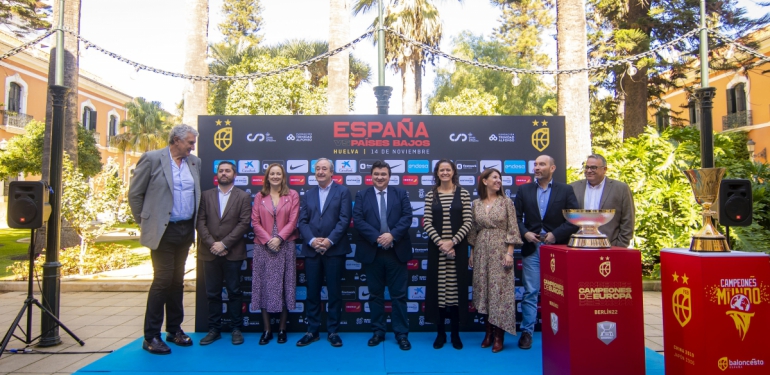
x=705, y=186
x=589, y=221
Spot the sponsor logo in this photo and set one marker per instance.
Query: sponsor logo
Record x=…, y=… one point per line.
x=352, y=253
x=416, y=293
x=241, y=181
x=266, y=163
x=216, y=164
x=257, y=180
x=418, y=208
x=541, y=138
x=521, y=180
x=260, y=137
x=394, y=180
x=502, y=137
x=300, y=264
x=223, y=138
x=415, y=222
x=363, y=293
x=606, y=331
x=368, y=180
x=682, y=304
x=486, y=164
x=353, y=307
x=300, y=137
x=337, y=179
x=396, y=166
x=311, y=180
x=462, y=137
x=412, y=307
x=725, y=363
x=418, y=166
x=426, y=180
x=298, y=308
x=412, y=264
x=353, y=180
x=507, y=181
x=297, y=166
x=301, y=293
x=352, y=265
x=345, y=166
x=216, y=182
x=424, y=264
x=348, y=293
x=313, y=163
x=409, y=180
x=296, y=180
x=531, y=166
x=467, y=180
x=467, y=167
x=605, y=268
x=553, y=263
x=518, y=292
x=554, y=323
x=470, y=293
x=365, y=165
x=514, y=166
x=248, y=166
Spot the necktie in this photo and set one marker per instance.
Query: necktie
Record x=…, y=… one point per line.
x=383, y=214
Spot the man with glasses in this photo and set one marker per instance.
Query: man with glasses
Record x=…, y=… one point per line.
x=598, y=192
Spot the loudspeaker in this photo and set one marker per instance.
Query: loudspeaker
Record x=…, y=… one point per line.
x=28, y=205
x=735, y=203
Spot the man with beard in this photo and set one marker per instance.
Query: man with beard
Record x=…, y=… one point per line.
x=224, y=218
x=539, y=206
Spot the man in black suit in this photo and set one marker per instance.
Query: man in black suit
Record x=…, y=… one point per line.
x=224, y=216
x=382, y=215
x=323, y=223
x=539, y=208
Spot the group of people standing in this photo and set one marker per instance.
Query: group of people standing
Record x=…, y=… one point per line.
x=167, y=203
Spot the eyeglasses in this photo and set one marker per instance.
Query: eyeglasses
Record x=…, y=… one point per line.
x=592, y=168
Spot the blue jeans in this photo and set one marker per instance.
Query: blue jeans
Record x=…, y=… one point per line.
x=531, y=280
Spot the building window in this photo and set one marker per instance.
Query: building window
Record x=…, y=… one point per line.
x=694, y=111
x=14, y=98
x=662, y=119
x=112, y=127
x=89, y=119
x=736, y=98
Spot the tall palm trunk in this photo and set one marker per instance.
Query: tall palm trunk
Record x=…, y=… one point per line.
x=71, y=110
x=635, y=87
x=196, y=97
x=339, y=64
x=411, y=81
x=573, y=88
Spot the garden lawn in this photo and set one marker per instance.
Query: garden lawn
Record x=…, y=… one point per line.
x=10, y=248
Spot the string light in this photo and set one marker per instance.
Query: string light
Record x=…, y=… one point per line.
x=515, y=80
x=632, y=69
x=408, y=51
x=308, y=76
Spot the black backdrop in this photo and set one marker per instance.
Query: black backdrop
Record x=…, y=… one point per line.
x=411, y=145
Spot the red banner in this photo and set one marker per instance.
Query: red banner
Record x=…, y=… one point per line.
x=592, y=309
x=716, y=312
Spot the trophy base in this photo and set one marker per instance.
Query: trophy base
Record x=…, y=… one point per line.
x=589, y=242
x=717, y=244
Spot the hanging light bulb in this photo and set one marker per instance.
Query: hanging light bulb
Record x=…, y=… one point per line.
x=408, y=51
x=308, y=76
x=730, y=52
x=632, y=69
x=515, y=80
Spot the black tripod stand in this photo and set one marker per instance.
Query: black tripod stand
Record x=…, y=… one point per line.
x=28, y=303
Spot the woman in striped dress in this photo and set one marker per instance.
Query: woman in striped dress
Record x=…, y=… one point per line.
x=448, y=220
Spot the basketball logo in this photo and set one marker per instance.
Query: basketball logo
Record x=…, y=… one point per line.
x=553, y=264
x=723, y=363
x=682, y=306
x=740, y=306
x=605, y=267
x=223, y=138
x=541, y=138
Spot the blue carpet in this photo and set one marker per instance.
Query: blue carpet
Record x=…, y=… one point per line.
x=355, y=357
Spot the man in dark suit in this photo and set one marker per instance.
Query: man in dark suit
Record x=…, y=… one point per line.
x=382, y=215
x=539, y=208
x=323, y=223
x=164, y=196
x=598, y=192
x=224, y=217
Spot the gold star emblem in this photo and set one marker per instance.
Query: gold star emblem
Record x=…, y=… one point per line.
x=676, y=277
x=227, y=122
x=534, y=123
x=601, y=258
x=544, y=123
x=685, y=278
x=219, y=122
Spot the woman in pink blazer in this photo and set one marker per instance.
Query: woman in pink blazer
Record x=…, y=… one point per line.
x=274, y=219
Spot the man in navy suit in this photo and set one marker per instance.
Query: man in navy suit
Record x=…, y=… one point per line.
x=382, y=215
x=323, y=222
x=539, y=208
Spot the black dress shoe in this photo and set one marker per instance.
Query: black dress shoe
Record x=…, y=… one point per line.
x=456, y=342
x=212, y=336
x=525, y=342
x=156, y=346
x=440, y=340
x=237, y=338
x=308, y=339
x=266, y=337
x=376, y=340
x=335, y=340
x=179, y=338
x=403, y=343
x=282, y=336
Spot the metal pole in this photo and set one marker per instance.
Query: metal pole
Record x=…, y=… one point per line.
x=705, y=96
x=704, y=43
x=381, y=92
x=49, y=328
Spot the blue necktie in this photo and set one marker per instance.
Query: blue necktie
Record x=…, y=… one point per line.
x=383, y=214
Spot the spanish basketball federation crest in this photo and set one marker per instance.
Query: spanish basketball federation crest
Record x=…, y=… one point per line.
x=554, y=323
x=541, y=138
x=682, y=305
x=223, y=138
x=553, y=263
x=605, y=268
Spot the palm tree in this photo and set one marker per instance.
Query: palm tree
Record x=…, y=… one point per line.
x=146, y=127
x=339, y=66
x=419, y=20
x=196, y=97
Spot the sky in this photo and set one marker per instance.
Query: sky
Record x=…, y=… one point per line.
x=152, y=32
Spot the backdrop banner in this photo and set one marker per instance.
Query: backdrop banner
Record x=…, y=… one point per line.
x=411, y=145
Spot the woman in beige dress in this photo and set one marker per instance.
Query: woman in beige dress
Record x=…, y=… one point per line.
x=492, y=239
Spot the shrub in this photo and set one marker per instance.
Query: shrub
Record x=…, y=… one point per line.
x=101, y=257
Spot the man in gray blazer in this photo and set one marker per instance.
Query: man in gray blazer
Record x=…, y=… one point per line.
x=164, y=196
x=598, y=192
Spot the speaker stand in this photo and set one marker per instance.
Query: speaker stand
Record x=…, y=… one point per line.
x=27, y=339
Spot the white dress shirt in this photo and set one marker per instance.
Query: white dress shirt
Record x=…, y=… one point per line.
x=593, y=198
